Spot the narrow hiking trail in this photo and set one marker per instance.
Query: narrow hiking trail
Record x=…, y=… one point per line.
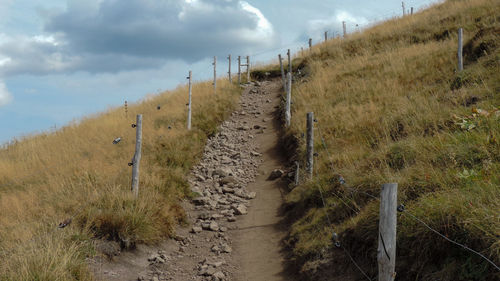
x=236, y=229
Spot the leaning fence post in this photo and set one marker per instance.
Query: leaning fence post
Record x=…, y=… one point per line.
x=289, y=61
x=239, y=69
x=297, y=173
x=248, y=69
x=137, y=155
x=282, y=72
x=288, y=115
x=229, y=72
x=215, y=74
x=189, y=102
x=460, y=46
x=344, y=29
x=386, y=252
x=310, y=144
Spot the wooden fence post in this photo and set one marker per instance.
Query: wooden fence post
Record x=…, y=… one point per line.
x=460, y=46
x=137, y=156
x=215, y=74
x=310, y=44
x=386, y=252
x=297, y=173
x=404, y=10
x=282, y=72
x=189, y=102
x=239, y=69
x=126, y=110
x=344, y=28
x=411, y=10
x=289, y=61
x=310, y=144
x=326, y=36
x=288, y=115
x=229, y=72
x=248, y=69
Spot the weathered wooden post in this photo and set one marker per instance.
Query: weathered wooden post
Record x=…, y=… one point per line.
x=326, y=36
x=404, y=10
x=137, y=155
x=239, y=69
x=189, y=102
x=215, y=74
x=344, y=29
x=310, y=144
x=411, y=10
x=288, y=115
x=297, y=173
x=386, y=252
x=289, y=61
x=248, y=69
x=310, y=44
x=282, y=72
x=460, y=46
x=229, y=72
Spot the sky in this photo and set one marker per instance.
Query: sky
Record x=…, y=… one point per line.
x=63, y=59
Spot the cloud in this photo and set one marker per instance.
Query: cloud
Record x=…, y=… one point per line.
x=333, y=24
x=111, y=35
x=5, y=96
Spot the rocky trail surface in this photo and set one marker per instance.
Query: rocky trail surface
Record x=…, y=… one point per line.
x=235, y=228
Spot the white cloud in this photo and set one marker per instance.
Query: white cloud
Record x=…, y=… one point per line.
x=5, y=96
x=334, y=23
x=264, y=28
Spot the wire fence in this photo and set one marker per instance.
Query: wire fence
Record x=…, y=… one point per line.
x=401, y=209
x=295, y=46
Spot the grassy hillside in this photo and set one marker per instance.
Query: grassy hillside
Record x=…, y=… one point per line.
x=392, y=108
x=76, y=172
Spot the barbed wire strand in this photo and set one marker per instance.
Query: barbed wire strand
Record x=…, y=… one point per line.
x=333, y=230
x=354, y=262
x=450, y=240
x=411, y=215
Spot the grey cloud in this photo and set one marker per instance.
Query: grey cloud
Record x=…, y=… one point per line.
x=111, y=35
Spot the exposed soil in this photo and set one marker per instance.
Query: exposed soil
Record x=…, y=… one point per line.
x=235, y=230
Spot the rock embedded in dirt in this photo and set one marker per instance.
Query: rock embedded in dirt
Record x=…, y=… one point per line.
x=226, y=248
x=196, y=229
x=251, y=195
x=201, y=200
x=219, y=275
x=227, y=180
x=240, y=209
x=276, y=174
x=214, y=226
x=256, y=154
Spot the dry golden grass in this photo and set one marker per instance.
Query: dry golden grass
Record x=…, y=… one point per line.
x=77, y=171
x=391, y=106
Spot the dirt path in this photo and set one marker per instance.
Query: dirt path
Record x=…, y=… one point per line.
x=258, y=237
x=235, y=231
